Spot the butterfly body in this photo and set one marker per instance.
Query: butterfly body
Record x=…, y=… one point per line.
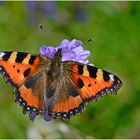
x=62, y=88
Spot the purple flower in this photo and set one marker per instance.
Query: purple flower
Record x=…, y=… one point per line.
x=46, y=116
x=71, y=50
x=32, y=116
x=48, y=51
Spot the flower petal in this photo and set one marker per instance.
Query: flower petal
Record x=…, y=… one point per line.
x=79, y=49
x=46, y=116
x=84, y=54
x=65, y=43
x=75, y=43
x=48, y=51
x=32, y=116
x=68, y=56
x=83, y=61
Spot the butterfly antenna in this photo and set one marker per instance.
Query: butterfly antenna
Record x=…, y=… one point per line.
x=45, y=32
x=86, y=42
x=89, y=40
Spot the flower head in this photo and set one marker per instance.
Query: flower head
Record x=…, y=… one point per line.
x=71, y=50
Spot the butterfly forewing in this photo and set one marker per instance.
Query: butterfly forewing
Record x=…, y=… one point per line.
x=16, y=67
x=93, y=82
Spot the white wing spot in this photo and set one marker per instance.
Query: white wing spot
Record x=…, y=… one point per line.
x=65, y=115
x=2, y=54
x=28, y=108
x=111, y=77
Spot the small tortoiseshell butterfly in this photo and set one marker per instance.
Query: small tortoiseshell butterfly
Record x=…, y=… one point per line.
x=61, y=87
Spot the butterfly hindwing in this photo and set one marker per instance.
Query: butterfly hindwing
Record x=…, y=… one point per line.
x=30, y=95
x=61, y=101
x=67, y=108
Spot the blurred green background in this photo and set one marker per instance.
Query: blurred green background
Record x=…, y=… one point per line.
x=114, y=28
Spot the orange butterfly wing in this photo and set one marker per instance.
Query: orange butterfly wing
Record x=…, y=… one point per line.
x=28, y=100
x=93, y=82
x=84, y=83
x=64, y=109
x=16, y=68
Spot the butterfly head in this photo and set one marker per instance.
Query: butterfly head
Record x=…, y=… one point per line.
x=58, y=53
x=58, y=56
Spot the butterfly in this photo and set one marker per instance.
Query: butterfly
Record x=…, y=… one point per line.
x=63, y=88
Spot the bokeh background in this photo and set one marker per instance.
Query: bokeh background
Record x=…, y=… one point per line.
x=114, y=28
